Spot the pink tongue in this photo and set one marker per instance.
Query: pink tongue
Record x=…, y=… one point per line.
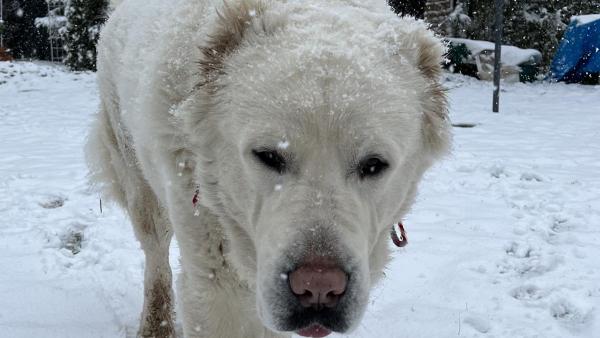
x=315, y=331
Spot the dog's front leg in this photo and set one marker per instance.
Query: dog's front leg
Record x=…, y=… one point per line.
x=213, y=302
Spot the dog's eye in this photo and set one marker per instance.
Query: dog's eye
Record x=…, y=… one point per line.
x=270, y=158
x=371, y=167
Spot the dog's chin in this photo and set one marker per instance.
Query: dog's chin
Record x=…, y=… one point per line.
x=327, y=319
x=315, y=331
x=308, y=322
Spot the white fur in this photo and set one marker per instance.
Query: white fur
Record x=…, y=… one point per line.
x=333, y=81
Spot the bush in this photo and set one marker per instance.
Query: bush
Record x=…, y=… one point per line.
x=21, y=36
x=85, y=18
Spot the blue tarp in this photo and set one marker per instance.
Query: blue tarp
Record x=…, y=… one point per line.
x=578, y=53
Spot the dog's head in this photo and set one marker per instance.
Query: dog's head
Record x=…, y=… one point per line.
x=318, y=122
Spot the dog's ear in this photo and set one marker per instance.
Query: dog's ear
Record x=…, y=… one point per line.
x=235, y=21
x=411, y=41
x=232, y=23
x=436, y=125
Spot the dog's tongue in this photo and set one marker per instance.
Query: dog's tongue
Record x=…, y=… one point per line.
x=315, y=331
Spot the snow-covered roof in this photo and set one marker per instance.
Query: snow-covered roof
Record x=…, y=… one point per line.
x=585, y=19
x=511, y=55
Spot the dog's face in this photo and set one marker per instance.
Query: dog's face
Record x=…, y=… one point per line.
x=318, y=147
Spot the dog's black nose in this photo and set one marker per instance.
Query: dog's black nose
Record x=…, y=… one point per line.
x=318, y=283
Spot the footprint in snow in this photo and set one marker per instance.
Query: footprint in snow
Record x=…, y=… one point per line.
x=53, y=202
x=72, y=241
x=569, y=314
x=527, y=260
x=561, y=224
x=479, y=324
x=517, y=250
x=531, y=177
x=498, y=171
x=528, y=292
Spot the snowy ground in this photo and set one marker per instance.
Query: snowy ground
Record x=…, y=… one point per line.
x=504, y=239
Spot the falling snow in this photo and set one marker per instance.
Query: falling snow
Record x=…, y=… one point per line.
x=283, y=145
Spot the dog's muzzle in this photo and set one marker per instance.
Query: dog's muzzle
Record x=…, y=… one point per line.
x=316, y=297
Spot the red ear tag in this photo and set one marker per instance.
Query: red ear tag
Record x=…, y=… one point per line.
x=399, y=241
x=196, y=197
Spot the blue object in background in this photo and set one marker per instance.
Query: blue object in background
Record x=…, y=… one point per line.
x=578, y=55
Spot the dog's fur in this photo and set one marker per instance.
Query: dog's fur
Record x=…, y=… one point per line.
x=190, y=88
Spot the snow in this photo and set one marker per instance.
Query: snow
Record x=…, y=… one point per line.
x=51, y=22
x=585, y=19
x=503, y=240
x=511, y=55
x=283, y=145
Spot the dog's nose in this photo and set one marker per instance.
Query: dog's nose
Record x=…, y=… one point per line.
x=318, y=283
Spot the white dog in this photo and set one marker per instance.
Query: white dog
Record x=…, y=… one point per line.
x=278, y=140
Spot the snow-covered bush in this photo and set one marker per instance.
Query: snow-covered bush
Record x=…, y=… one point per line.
x=84, y=20
x=55, y=19
x=534, y=25
x=458, y=22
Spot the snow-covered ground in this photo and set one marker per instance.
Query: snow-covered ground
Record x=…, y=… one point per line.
x=504, y=239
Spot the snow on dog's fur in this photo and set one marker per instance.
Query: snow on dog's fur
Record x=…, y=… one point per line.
x=305, y=126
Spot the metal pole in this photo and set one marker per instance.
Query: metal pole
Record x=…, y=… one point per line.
x=1, y=24
x=50, y=23
x=499, y=8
